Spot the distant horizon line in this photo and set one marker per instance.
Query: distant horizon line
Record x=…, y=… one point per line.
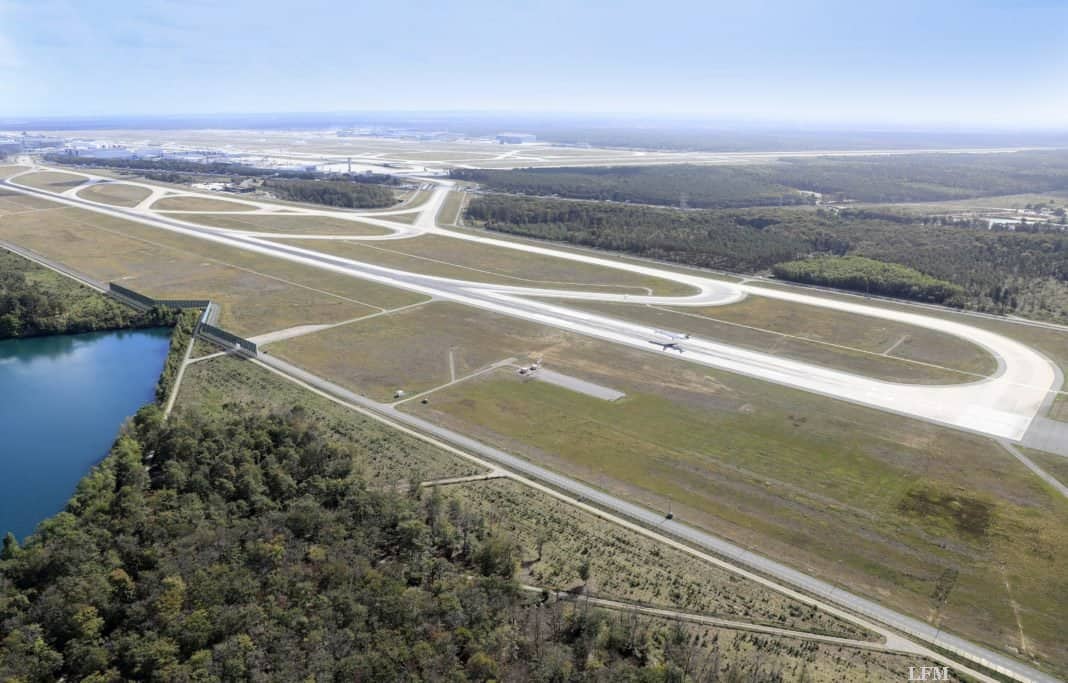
x=607, y=119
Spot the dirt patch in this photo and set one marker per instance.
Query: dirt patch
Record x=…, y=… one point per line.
x=969, y=516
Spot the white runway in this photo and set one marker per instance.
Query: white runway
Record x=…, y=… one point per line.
x=1002, y=406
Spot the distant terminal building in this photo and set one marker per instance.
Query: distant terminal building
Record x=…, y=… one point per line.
x=515, y=138
x=28, y=142
x=114, y=152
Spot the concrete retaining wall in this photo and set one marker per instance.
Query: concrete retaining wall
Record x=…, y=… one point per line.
x=142, y=301
x=226, y=339
x=205, y=329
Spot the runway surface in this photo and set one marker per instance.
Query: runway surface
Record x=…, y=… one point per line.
x=1002, y=406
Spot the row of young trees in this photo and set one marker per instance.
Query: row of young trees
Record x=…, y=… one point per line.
x=252, y=549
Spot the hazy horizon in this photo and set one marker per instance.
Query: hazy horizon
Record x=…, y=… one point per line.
x=882, y=65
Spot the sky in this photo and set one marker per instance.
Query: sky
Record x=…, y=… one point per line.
x=993, y=63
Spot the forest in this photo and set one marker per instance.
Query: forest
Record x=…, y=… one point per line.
x=252, y=549
x=1001, y=272
x=684, y=185
x=167, y=166
x=875, y=179
x=340, y=193
x=868, y=275
x=926, y=177
x=35, y=301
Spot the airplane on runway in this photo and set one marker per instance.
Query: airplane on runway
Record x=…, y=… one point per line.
x=667, y=346
x=672, y=345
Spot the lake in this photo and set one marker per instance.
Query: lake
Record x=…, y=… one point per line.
x=62, y=401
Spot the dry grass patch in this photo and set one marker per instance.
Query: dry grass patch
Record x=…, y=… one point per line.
x=116, y=194
x=557, y=538
x=410, y=349
x=199, y=204
x=8, y=171
x=16, y=202
x=257, y=293
x=51, y=181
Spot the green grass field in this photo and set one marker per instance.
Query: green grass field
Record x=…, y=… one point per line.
x=939, y=523
x=1055, y=465
x=116, y=194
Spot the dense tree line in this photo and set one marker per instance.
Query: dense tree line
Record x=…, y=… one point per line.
x=925, y=177
x=168, y=166
x=251, y=549
x=185, y=323
x=674, y=185
x=730, y=240
x=868, y=275
x=35, y=301
x=349, y=195
x=999, y=271
x=883, y=179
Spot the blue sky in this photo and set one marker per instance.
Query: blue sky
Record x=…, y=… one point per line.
x=970, y=64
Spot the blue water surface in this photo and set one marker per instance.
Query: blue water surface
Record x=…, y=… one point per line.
x=62, y=401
